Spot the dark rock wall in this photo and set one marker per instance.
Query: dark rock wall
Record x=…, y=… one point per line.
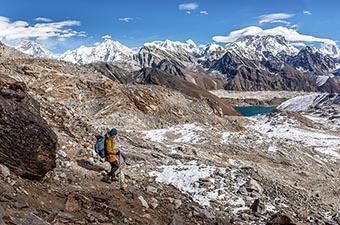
x=27, y=143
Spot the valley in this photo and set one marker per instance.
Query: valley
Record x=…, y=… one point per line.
x=193, y=158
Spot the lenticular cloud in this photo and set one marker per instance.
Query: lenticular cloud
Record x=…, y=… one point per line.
x=290, y=35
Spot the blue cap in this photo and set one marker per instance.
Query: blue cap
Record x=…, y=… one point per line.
x=113, y=132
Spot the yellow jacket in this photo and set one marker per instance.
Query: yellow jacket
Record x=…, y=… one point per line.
x=110, y=149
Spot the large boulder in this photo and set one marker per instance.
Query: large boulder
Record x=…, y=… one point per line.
x=27, y=143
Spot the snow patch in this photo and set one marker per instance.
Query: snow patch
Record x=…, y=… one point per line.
x=272, y=148
x=224, y=138
x=186, y=133
x=300, y=103
x=155, y=135
x=206, y=184
x=321, y=80
x=186, y=178
x=287, y=129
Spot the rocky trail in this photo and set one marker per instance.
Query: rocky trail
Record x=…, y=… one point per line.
x=36, y=203
x=189, y=164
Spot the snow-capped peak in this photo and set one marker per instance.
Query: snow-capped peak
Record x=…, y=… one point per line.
x=212, y=51
x=34, y=49
x=191, y=43
x=175, y=46
x=106, y=51
x=331, y=49
x=212, y=47
x=270, y=43
x=116, y=45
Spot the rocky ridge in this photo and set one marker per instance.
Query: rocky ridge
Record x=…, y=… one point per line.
x=252, y=61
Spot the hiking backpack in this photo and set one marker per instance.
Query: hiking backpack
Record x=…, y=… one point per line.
x=100, y=146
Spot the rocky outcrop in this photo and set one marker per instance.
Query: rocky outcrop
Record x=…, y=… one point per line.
x=152, y=56
x=313, y=62
x=281, y=219
x=27, y=144
x=158, y=77
x=245, y=74
x=111, y=71
x=170, y=68
x=272, y=73
x=271, y=63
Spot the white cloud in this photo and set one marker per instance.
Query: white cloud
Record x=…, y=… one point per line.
x=204, y=12
x=106, y=36
x=275, y=18
x=17, y=30
x=299, y=44
x=125, y=19
x=306, y=12
x=290, y=35
x=294, y=26
x=234, y=35
x=188, y=6
x=43, y=19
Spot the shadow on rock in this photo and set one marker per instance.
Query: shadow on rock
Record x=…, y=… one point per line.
x=89, y=166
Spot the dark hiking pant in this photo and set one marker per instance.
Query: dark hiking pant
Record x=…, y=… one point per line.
x=114, y=168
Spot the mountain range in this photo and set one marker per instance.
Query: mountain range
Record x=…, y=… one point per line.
x=191, y=157
x=250, y=63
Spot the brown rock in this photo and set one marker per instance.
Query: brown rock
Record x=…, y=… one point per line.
x=27, y=143
x=21, y=202
x=177, y=221
x=102, y=219
x=71, y=205
x=100, y=197
x=66, y=216
x=154, y=203
x=23, y=218
x=147, y=216
x=281, y=219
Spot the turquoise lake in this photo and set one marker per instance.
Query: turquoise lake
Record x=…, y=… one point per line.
x=254, y=110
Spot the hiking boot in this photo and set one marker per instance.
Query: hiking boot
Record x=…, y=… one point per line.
x=106, y=179
x=113, y=179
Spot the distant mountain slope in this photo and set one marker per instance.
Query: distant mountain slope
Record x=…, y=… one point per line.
x=255, y=47
x=310, y=61
x=249, y=63
x=162, y=78
x=107, y=51
x=34, y=49
x=112, y=71
x=158, y=77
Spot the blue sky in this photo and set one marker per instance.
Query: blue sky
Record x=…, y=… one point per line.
x=133, y=22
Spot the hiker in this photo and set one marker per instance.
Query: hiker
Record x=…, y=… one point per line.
x=106, y=147
x=111, y=153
